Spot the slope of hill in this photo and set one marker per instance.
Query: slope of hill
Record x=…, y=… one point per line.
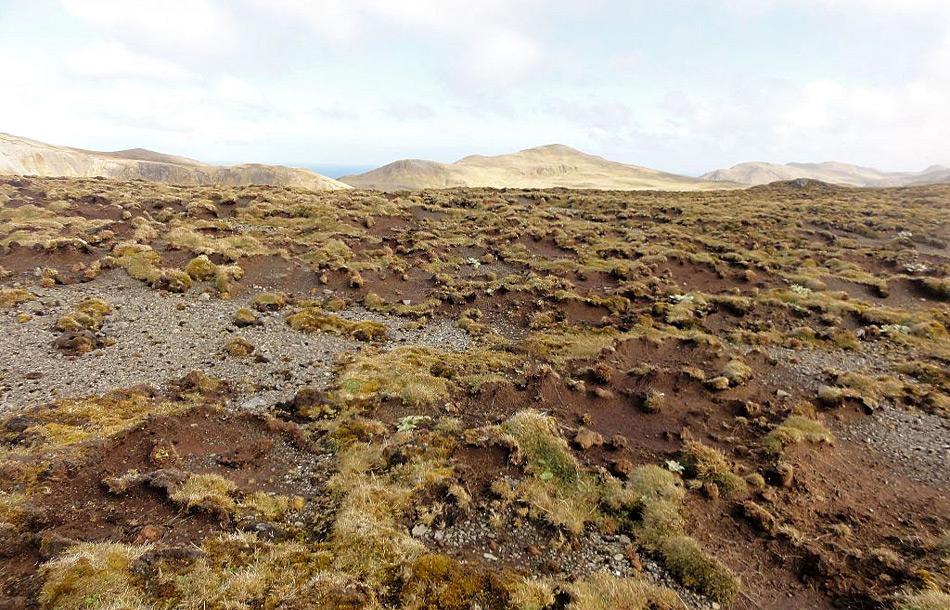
x=756, y=173
x=29, y=157
x=550, y=166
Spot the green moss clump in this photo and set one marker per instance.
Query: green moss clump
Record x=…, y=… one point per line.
x=139, y=261
x=269, y=301
x=201, y=268
x=314, y=319
x=439, y=582
x=172, y=280
x=87, y=315
x=239, y=347
x=245, y=317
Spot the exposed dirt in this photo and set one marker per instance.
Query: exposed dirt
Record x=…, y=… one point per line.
x=641, y=323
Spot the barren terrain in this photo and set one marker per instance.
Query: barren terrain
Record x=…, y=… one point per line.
x=268, y=397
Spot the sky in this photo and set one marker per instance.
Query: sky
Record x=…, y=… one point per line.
x=680, y=85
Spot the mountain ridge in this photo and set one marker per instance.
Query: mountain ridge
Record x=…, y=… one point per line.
x=755, y=173
x=24, y=156
x=546, y=166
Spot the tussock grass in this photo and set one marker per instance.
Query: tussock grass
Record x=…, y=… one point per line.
x=11, y=297
x=94, y=576
x=710, y=465
x=684, y=558
x=558, y=489
x=419, y=376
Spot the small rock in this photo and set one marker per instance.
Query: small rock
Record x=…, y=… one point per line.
x=419, y=530
x=149, y=533
x=587, y=438
x=718, y=383
x=622, y=467
x=617, y=442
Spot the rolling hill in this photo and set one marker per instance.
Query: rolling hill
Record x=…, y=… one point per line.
x=550, y=166
x=23, y=156
x=756, y=173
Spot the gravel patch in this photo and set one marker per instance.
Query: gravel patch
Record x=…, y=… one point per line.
x=439, y=333
x=528, y=547
x=918, y=442
x=808, y=368
x=160, y=337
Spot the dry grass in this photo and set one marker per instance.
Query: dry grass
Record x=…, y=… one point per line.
x=418, y=376
x=710, y=465
x=11, y=297
x=604, y=591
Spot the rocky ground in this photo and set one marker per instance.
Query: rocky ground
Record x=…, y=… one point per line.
x=260, y=397
x=155, y=340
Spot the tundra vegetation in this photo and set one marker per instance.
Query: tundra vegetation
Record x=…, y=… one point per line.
x=556, y=399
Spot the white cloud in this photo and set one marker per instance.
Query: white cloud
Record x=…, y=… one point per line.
x=498, y=59
x=360, y=80
x=177, y=26
x=103, y=59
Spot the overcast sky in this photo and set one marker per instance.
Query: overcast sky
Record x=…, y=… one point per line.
x=680, y=85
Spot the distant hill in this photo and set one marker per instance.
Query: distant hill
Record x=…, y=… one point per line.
x=756, y=173
x=28, y=157
x=548, y=166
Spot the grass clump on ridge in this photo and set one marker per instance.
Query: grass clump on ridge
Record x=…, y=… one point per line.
x=796, y=429
x=208, y=492
x=72, y=421
x=568, y=496
x=658, y=494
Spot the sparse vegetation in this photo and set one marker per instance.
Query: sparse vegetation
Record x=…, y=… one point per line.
x=529, y=354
